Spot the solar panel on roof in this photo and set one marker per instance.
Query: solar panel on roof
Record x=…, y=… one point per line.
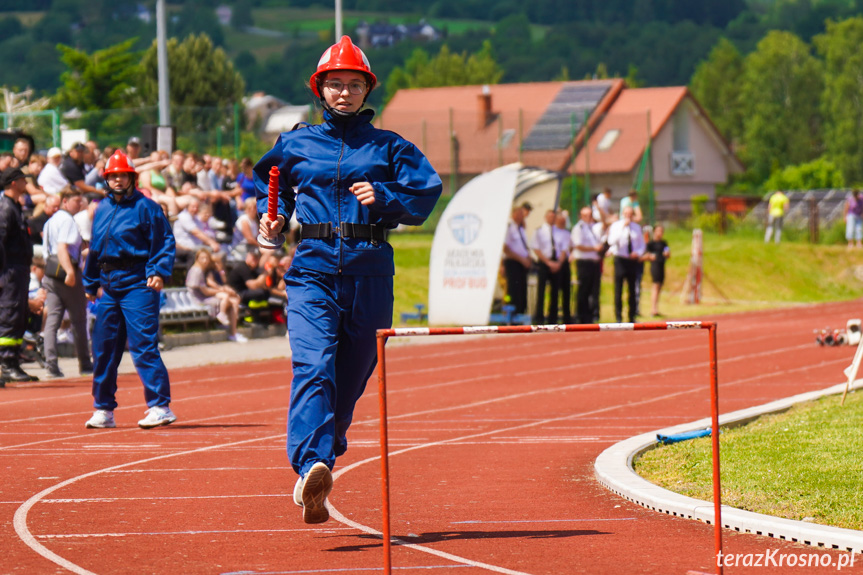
x=564, y=116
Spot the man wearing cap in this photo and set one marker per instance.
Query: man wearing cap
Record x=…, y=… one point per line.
x=133, y=150
x=51, y=179
x=72, y=169
x=16, y=255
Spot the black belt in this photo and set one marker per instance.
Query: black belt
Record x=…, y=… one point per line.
x=374, y=232
x=125, y=264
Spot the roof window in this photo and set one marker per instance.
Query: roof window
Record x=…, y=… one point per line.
x=607, y=140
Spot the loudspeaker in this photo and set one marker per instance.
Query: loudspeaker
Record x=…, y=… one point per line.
x=148, y=139
x=157, y=138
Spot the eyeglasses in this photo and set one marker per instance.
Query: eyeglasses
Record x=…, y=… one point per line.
x=355, y=88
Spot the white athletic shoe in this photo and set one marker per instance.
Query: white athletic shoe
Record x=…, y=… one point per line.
x=156, y=416
x=298, y=492
x=101, y=419
x=238, y=337
x=317, y=485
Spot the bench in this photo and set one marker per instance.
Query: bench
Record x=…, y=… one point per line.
x=420, y=315
x=509, y=317
x=178, y=308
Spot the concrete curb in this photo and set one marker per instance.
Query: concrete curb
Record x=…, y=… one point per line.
x=614, y=469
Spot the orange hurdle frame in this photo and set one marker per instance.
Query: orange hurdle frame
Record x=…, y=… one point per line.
x=384, y=334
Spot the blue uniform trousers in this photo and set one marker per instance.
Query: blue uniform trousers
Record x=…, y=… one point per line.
x=131, y=312
x=332, y=320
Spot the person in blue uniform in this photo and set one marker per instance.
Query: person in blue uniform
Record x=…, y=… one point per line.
x=131, y=253
x=353, y=183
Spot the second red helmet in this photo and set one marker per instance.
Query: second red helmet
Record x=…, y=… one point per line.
x=118, y=163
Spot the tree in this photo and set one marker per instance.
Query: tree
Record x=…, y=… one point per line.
x=716, y=85
x=102, y=80
x=203, y=83
x=817, y=174
x=781, y=90
x=445, y=69
x=842, y=100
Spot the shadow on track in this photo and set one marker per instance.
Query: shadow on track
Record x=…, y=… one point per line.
x=442, y=536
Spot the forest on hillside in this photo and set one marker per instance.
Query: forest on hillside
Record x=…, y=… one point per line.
x=776, y=76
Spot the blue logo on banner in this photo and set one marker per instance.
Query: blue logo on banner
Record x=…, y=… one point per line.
x=465, y=227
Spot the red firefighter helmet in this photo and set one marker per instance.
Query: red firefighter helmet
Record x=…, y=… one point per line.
x=118, y=163
x=342, y=56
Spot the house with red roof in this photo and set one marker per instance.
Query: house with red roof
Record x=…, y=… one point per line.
x=597, y=129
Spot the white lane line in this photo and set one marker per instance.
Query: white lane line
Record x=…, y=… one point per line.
x=20, y=519
x=180, y=382
x=513, y=521
x=161, y=498
x=184, y=399
x=345, y=570
x=338, y=516
x=96, y=433
x=191, y=532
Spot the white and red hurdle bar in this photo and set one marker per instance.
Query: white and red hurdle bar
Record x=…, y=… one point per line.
x=384, y=334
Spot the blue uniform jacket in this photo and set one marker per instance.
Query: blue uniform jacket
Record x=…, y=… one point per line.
x=322, y=162
x=133, y=229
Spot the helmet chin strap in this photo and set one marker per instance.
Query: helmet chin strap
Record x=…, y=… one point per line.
x=340, y=114
x=120, y=194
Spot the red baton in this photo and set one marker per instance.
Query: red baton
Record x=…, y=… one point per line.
x=272, y=212
x=273, y=205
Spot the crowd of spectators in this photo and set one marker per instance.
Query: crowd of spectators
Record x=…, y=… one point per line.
x=208, y=200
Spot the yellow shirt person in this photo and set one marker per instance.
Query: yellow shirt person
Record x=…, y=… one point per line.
x=776, y=208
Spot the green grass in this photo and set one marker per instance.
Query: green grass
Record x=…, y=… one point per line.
x=803, y=464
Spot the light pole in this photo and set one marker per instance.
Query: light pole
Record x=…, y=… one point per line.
x=162, y=57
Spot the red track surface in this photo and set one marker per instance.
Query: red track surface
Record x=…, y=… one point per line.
x=492, y=443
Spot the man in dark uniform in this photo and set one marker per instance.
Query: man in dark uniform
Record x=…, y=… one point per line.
x=16, y=255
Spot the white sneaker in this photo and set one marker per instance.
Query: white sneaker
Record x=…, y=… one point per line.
x=156, y=416
x=238, y=337
x=222, y=318
x=317, y=484
x=298, y=492
x=101, y=419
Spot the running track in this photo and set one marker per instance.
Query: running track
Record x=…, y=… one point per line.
x=492, y=442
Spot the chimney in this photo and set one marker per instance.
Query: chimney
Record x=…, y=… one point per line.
x=485, y=114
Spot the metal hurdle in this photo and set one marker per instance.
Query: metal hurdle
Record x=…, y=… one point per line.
x=384, y=334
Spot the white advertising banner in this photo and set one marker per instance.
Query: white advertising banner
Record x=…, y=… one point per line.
x=467, y=248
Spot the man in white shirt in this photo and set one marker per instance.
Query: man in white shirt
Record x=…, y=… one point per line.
x=548, y=267
x=604, y=211
x=50, y=178
x=190, y=232
x=563, y=244
x=63, y=240
x=626, y=243
x=516, y=260
x=586, y=247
